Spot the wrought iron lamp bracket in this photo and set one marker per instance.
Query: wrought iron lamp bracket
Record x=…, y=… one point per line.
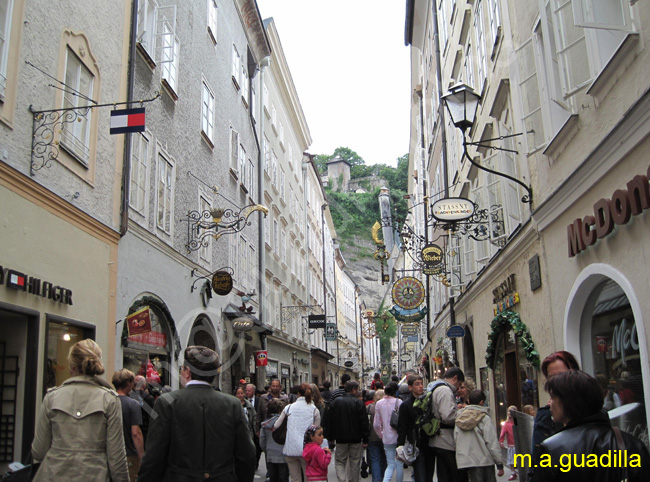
x=47, y=126
x=198, y=277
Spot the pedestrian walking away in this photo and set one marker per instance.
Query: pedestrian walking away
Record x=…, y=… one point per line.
x=198, y=433
x=79, y=430
x=382, y=424
x=124, y=381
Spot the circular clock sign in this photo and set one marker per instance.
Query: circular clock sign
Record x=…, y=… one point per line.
x=408, y=293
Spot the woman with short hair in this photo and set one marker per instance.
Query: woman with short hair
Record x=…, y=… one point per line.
x=585, y=449
x=79, y=429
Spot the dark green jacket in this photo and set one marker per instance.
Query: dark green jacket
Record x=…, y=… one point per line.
x=198, y=434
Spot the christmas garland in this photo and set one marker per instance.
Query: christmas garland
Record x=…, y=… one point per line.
x=148, y=301
x=502, y=323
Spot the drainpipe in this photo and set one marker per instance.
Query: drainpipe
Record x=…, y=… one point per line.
x=266, y=61
x=126, y=167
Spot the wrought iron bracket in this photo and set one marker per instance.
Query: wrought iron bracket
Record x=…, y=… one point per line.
x=48, y=124
x=288, y=313
x=203, y=225
x=198, y=277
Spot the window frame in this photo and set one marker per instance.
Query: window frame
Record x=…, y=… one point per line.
x=213, y=18
x=163, y=160
x=169, y=70
x=207, y=121
x=143, y=169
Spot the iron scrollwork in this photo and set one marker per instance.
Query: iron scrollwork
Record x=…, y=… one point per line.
x=203, y=225
x=484, y=225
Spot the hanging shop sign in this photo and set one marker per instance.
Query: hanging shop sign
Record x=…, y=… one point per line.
x=153, y=338
x=349, y=364
x=222, y=283
x=330, y=332
x=16, y=280
x=406, y=357
x=139, y=322
x=408, y=316
x=316, y=321
x=455, y=331
x=261, y=358
x=124, y=121
x=410, y=329
x=452, y=209
x=432, y=257
x=242, y=324
x=618, y=210
x=408, y=293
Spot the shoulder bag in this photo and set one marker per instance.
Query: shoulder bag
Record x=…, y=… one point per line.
x=280, y=434
x=394, y=416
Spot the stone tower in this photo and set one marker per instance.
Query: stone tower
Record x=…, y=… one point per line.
x=338, y=174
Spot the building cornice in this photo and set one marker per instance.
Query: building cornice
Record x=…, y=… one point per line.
x=34, y=192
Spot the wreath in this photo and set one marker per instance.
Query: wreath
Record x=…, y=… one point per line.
x=503, y=322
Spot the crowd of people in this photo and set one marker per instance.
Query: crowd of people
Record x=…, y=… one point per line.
x=89, y=429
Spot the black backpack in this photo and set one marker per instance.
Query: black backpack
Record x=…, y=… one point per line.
x=425, y=422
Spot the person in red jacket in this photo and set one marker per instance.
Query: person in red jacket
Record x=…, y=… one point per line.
x=508, y=435
x=317, y=458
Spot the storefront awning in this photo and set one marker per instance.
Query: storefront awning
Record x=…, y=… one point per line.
x=232, y=312
x=321, y=353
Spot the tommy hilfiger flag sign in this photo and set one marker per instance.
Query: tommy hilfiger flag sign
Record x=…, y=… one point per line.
x=127, y=120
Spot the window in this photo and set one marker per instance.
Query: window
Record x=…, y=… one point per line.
x=276, y=237
x=234, y=151
x=281, y=134
x=250, y=178
x=244, y=83
x=283, y=247
x=274, y=116
x=169, y=71
x=212, y=19
x=244, y=268
x=495, y=21
x=267, y=156
x=165, y=193
x=282, y=195
x=75, y=136
x=481, y=59
x=469, y=68
x=205, y=252
x=265, y=99
x=6, y=8
x=444, y=23
x=147, y=26
x=254, y=102
x=139, y=164
x=267, y=229
x=207, y=113
x=242, y=164
x=274, y=169
x=156, y=31
x=236, y=66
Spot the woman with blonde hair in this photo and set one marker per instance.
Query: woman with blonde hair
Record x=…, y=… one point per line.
x=79, y=429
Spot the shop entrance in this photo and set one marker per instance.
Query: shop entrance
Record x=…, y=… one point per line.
x=18, y=360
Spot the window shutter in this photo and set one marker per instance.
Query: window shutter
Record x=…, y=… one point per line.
x=603, y=14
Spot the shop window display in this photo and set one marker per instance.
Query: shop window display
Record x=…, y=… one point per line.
x=610, y=341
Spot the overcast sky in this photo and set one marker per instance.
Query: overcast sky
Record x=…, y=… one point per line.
x=351, y=71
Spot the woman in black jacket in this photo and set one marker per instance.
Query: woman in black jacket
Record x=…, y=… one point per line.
x=587, y=449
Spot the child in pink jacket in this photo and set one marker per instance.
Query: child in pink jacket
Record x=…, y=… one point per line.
x=507, y=441
x=316, y=457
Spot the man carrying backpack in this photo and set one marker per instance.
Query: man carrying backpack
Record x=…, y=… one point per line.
x=443, y=402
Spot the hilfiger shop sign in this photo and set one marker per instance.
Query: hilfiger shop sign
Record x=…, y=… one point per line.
x=618, y=210
x=15, y=280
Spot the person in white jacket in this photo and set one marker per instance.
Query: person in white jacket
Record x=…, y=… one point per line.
x=477, y=443
x=300, y=415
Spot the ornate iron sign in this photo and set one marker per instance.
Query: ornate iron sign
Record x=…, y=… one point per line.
x=408, y=293
x=433, y=259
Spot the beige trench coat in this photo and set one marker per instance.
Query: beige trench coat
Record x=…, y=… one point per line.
x=79, y=434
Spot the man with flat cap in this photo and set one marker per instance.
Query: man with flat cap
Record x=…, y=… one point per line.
x=198, y=433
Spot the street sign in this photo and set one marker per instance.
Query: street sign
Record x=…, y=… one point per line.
x=456, y=331
x=316, y=321
x=330, y=332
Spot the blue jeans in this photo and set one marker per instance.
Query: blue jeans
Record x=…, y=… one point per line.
x=394, y=465
x=377, y=460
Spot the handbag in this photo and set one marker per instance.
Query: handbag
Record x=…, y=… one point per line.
x=364, y=468
x=407, y=453
x=280, y=434
x=394, y=416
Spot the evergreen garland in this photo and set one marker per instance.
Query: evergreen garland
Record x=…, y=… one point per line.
x=502, y=323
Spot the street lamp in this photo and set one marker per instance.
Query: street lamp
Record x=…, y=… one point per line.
x=462, y=104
